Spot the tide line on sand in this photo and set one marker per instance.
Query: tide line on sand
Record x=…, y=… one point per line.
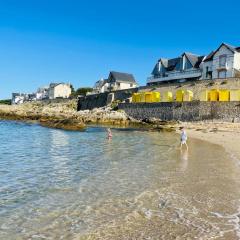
x=226, y=135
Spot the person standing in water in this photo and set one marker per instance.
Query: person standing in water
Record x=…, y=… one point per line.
x=109, y=134
x=183, y=140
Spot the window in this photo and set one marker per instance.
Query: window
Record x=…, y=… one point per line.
x=222, y=61
x=222, y=74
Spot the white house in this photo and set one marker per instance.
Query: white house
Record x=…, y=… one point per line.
x=19, y=98
x=42, y=93
x=221, y=63
x=59, y=90
x=101, y=86
x=120, y=81
x=115, y=81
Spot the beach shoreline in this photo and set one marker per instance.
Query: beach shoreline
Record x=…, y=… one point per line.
x=65, y=116
x=224, y=134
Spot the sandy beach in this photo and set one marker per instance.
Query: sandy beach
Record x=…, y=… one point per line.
x=225, y=134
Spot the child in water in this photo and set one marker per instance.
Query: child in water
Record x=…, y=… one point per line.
x=183, y=139
x=109, y=134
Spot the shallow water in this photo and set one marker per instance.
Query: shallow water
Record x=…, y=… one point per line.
x=57, y=184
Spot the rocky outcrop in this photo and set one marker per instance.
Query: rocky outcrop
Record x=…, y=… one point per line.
x=104, y=115
x=56, y=115
x=63, y=115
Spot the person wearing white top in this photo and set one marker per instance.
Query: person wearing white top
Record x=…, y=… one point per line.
x=183, y=140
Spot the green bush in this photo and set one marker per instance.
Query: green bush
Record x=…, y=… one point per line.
x=81, y=91
x=6, y=101
x=114, y=104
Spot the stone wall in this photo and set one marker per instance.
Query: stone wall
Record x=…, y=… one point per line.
x=185, y=111
x=92, y=101
x=57, y=100
x=102, y=99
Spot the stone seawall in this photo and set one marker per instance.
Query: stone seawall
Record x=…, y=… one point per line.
x=102, y=99
x=185, y=111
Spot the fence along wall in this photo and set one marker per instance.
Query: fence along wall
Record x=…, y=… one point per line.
x=184, y=111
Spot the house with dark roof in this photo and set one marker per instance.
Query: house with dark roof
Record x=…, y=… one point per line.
x=120, y=81
x=184, y=67
x=224, y=62
x=115, y=81
x=221, y=63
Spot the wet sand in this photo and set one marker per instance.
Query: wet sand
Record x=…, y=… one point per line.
x=226, y=135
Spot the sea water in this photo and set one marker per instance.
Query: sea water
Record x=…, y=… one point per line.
x=57, y=184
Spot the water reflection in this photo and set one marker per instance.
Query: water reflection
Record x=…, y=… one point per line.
x=59, y=149
x=184, y=159
x=58, y=138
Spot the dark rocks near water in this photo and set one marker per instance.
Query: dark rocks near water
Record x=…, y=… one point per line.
x=56, y=115
x=66, y=124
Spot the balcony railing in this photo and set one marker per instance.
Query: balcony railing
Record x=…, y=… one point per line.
x=176, y=75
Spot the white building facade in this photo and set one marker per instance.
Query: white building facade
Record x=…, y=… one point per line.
x=42, y=93
x=101, y=86
x=19, y=98
x=59, y=90
x=222, y=63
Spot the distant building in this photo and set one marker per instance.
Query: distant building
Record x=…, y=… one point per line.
x=42, y=93
x=120, y=81
x=221, y=63
x=19, y=98
x=115, y=81
x=59, y=90
x=101, y=86
x=53, y=91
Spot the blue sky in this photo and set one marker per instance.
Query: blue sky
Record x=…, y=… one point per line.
x=81, y=41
